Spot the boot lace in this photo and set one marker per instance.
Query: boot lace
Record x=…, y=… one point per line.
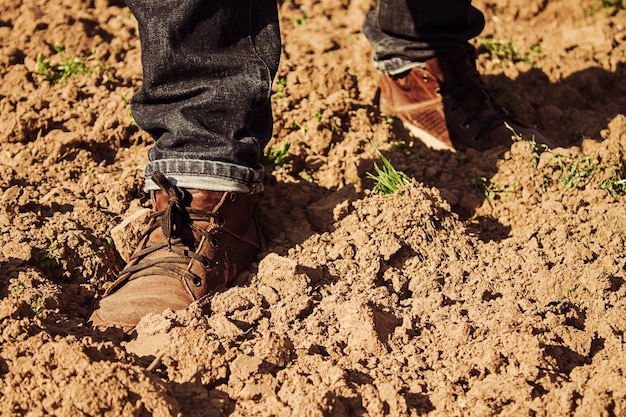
x=174, y=220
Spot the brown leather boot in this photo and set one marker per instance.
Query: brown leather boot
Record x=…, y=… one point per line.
x=446, y=106
x=195, y=244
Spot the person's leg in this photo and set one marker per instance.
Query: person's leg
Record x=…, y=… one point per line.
x=429, y=78
x=208, y=68
x=405, y=33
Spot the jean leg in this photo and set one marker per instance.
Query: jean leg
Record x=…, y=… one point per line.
x=208, y=67
x=405, y=33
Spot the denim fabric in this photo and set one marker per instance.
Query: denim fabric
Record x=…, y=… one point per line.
x=205, y=175
x=208, y=67
x=405, y=33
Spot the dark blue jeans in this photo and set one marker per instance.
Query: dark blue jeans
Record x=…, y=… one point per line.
x=208, y=67
x=405, y=33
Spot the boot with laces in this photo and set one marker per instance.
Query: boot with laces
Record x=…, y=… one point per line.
x=446, y=106
x=195, y=244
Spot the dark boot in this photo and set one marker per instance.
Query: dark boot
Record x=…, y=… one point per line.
x=446, y=106
x=195, y=244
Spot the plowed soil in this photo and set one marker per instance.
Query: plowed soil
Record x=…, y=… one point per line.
x=492, y=285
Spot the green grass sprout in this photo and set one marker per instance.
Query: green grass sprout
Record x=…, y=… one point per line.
x=129, y=111
x=37, y=306
x=61, y=67
x=490, y=190
x=616, y=185
x=611, y=7
x=59, y=71
x=461, y=158
x=571, y=171
x=387, y=179
x=280, y=88
x=405, y=146
x=301, y=21
x=536, y=148
x=49, y=258
x=278, y=157
x=506, y=52
x=300, y=127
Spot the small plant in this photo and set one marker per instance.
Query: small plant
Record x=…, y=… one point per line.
x=576, y=170
x=461, y=158
x=16, y=289
x=318, y=116
x=129, y=111
x=278, y=157
x=406, y=146
x=280, y=88
x=612, y=6
x=571, y=171
x=491, y=191
x=505, y=51
x=576, y=236
x=301, y=21
x=616, y=185
x=300, y=127
x=387, y=179
x=536, y=148
x=569, y=295
x=306, y=175
x=58, y=72
x=37, y=306
x=50, y=259
x=543, y=188
x=108, y=242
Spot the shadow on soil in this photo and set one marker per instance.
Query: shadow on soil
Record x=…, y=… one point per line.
x=577, y=107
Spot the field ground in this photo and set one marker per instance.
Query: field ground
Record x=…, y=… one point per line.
x=494, y=285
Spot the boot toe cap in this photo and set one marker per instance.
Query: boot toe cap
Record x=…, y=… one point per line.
x=138, y=298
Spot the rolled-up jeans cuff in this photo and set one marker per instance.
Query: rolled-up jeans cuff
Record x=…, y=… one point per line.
x=396, y=66
x=205, y=175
